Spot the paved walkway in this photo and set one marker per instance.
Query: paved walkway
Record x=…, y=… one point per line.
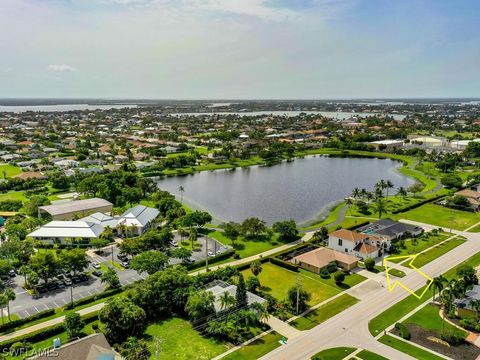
x=48, y=323
x=283, y=327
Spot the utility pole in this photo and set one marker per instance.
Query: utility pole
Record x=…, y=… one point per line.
x=298, y=283
x=112, y=256
x=71, y=295
x=206, y=253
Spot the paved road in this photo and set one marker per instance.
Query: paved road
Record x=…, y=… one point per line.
x=350, y=327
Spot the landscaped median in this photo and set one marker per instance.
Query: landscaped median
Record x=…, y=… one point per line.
x=256, y=348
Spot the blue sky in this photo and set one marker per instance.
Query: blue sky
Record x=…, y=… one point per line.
x=207, y=49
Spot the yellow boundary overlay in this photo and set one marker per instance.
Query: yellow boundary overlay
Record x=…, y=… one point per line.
x=399, y=283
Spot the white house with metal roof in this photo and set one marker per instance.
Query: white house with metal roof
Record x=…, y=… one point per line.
x=137, y=219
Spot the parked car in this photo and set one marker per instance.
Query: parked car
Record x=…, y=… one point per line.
x=75, y=279
x=125, y=264
x=42, y=289
x=97, y=273
x=122, y=257
x=83, y=277
x=210, y=254
x=67, y=282
x=60, y=284
x=95, y=265
x=174, y=243
x=12, y=273
x=52, y=286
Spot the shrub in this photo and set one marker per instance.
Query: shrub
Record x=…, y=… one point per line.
x=324, y=274
x=339, y=277
x=453, y=339
x=403, y=330
x=15, y=323
x=284, y=264
x=369, y=264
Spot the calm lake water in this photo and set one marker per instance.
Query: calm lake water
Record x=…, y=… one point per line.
x=299, y=190
x=62, y=107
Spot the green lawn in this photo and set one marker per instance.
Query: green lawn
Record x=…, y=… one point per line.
x=368, y=355
x=350, y=280
x=333, y=353
x=7, y=171
x=428, y=318
x=441, y=216
x=324, y=312
x=13, y=195
x=276, y=281
x=409, y=349
x=116, y=265
x=178, y=340
x=247, y=247
x=430, y=255
x=257, y=348
x=416, y=245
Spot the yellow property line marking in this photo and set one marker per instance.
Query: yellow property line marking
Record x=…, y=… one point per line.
x=399, y=283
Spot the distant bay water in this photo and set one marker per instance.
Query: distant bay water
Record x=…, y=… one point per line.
x=62, y=107
x=298, y=190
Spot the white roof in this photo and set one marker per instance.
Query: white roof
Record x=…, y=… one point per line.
x=139, y=215
x=68, y=229
x=387, y=142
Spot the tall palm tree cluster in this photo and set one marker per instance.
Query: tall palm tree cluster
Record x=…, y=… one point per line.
x=448, y=291
x=379, y=196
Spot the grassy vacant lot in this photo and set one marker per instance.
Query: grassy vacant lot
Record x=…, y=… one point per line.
x=414, y=246
x=9, y=171
x=276, y=281
x=247, y=247
x=368, y=355
x=13, y=195
x=257, y=348
x=441, y=216
x=429, y=318
x=177, y=339
x=324, y=312
x=407, y=348
x=439, y=250
x=333, y=353
x=403, y=307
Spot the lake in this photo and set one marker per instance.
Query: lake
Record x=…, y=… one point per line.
x=61, y=107
x=302, y=190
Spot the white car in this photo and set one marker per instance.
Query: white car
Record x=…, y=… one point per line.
x=95, y=265
x=210, y=253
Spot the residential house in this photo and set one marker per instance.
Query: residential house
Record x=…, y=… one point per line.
x=218, y=288
x=320, y=258
x=464, y=306
x=388, y=230
x=140, y=217
x=67, y=231
x=472, y=196
x=354, y=243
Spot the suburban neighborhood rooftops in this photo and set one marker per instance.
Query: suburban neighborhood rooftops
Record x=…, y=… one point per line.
x=75, y=206
x=470, y=295
x=68, y=229
x=365, y=248
x=468, y=193
x=321, y=257
x=389, y=227
x=102, y=219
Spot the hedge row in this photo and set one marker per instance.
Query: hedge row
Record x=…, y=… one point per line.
x=404, y=332
x=15, y=323
x=284, y=264
x=246, y=266
x=420, y=203
x=356, y=226
x=41, y=335
x=95, y=297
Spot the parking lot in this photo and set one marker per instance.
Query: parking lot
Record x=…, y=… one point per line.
x=25, y=305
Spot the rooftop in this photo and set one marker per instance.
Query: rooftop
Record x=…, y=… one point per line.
x=75, y=205
x=68, y=229
x=321, y=257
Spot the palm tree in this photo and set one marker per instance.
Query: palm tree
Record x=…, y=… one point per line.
x=446, y=299
x=256, y=267
x=356, y=193
x=262, y=312
x=182, y=190
x=227, y=300
x=380, y=186
x=437, y=284
x=348, y=203
x=380, y=206
x=402, y=191
x=363, y=193
x=388, y=185
x=193, y=235
x=475, y=304
x=10, y=295
x=3, y=302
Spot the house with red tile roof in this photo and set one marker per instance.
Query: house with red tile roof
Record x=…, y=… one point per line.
x=357, y=244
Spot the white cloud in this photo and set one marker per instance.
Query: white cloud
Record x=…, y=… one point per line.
x=62, y=68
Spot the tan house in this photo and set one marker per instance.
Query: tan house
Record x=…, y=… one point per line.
x=472, y=196
x=318, y=259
